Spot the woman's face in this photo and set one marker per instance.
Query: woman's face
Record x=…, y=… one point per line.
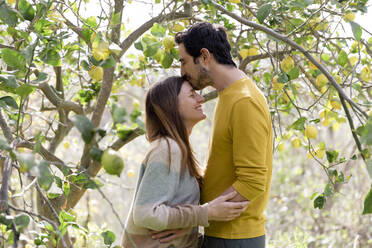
x=190, y=107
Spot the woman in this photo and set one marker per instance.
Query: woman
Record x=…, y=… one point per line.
x=167, y=193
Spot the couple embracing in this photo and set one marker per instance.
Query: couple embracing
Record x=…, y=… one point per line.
x=173, y=197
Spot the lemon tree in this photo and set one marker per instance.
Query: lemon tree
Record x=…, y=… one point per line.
x=68, y=78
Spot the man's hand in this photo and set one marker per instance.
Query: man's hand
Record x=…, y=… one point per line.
x=169, y=235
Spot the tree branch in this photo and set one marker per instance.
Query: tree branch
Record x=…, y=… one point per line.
x=59, y=102
x=5, y=128
x=147, y=25
x=249, y=59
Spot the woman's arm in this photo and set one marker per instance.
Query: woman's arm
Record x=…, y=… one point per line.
x=157, y=188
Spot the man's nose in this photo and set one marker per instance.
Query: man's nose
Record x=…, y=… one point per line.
x=182, y=71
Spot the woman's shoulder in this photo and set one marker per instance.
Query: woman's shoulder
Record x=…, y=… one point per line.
x=164, y=145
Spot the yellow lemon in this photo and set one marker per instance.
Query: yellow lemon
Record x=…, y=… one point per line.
x=131, y=173
x=280, y=147
x=66, y=145
x=178, y=27
x=287, y=64
x=136, y=104
x=100, y=50
x=234, y=1
x=312, y=66
x=325, y=122
x=10, y=2
x=320, y=153
x=96, y=73
x=321, y=80
x=244, y=53
x=276, y=84
x=365, y=74
x=336, y=104
x=311, y=132
x=168, y=42
x=296, y=142
x=286, y=98
x=252, y=51
x=349, y=16
x=338, y=79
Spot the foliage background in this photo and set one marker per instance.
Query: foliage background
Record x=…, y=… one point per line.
x=60, y=60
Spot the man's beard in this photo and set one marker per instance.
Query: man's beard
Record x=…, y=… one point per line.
x=203, y=80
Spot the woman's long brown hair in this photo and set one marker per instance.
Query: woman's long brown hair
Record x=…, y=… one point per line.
x=163, y=120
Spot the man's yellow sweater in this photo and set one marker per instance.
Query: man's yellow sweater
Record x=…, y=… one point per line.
x=240, y=155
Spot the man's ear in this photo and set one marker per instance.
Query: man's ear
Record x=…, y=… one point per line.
x=205, y=55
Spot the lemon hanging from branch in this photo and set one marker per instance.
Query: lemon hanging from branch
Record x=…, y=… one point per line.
x=112, y=162
x=311, y=132
x=96, y=73
x=168, y=43
x=287, y=64
x=100, y=47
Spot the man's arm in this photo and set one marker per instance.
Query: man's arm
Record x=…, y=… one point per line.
x=250, y=133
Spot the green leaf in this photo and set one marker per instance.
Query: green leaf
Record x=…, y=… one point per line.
x=44, y=177
x=369, y=167
x=66, y=217
x=96, y=153
x=91, y=21
x=332, y=156
x=118, y=114
x=294, y=73
x=319, y=202
x=109, y=62
x=167, y=60
x=22, y=221
x=299, y=124
x=157, y=30
x=282, y=77
x=325, y=57
x=26, y=161
x=263, y=12
x=4, y=145
x=8, y=100
x=152, y=49
x=138, y=46
x=66, y=188
x=367, y=209
x=53, y=195
x=41, y=77
x=51, y=57
x=342, y=58
x=85, y=126
x=9, y=81
x=26, y=10
x=115, y=19
x=8, y=15
x=357, y=30
x=366, y=132
x=328, y=191
x=24, y=90
x=108, y=237
x=13, y=58
x=267, y=77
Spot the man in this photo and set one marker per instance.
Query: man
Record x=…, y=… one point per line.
x=240, y=150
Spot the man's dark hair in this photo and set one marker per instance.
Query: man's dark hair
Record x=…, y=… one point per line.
x=205, y=35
